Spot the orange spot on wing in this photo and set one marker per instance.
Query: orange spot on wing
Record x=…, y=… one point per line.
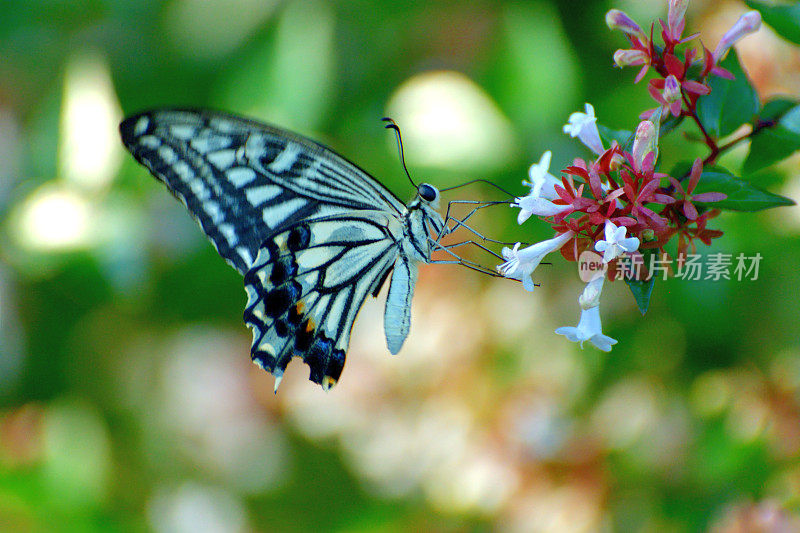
x=327, y=383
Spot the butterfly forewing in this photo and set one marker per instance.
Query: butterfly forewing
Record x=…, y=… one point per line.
x=242, y=180
x=312, y=233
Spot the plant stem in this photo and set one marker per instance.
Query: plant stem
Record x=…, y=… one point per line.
x=760, y=125
x=710, y=142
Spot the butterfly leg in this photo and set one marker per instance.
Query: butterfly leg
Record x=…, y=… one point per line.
x=449, y=249
x=458, y=260
x=461, y=222
x=458, y=222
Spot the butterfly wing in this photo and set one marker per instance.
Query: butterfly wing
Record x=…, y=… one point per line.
x=243, y=181
x=312, y=233
x=308, y=283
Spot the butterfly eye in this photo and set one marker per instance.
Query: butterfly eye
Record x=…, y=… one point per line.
x=429, y=193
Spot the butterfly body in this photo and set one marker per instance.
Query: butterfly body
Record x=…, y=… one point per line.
x=312, y=233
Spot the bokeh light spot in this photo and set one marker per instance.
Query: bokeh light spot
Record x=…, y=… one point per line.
x=448, y=121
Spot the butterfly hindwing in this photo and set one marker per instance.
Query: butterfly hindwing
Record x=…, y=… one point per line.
x=242, y=180
x=307, y=285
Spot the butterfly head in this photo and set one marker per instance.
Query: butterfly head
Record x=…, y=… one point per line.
x=423, y=215
x=429, y=194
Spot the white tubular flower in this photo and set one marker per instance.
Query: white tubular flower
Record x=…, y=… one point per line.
x=615, y=243
x=520, y=264
x=584, y=126
x=589, y=329
x=590, y=297
x=747, y=23
x=542, y=183
x=533, y=205
x=543, y=190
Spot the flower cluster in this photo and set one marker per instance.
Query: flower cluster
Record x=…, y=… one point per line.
x=618, y=203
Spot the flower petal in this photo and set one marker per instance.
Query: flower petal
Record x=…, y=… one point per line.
x=603, y=342
x=571, y=333
x=696, y=87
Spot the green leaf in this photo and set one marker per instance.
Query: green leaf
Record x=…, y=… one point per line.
x=621, y=136
x=774, y=143
x=776, y=108
x=790, y=120
x=784, y=19
x=642, y=289
x=742, y=196
x=731, y=102
x=669, y=124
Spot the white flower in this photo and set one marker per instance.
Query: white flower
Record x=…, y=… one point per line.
x=532, y=205
x=543, y=190
x=542, y=182
x=520, y=264
x=590, y=297
x=615, y=243
x=584, y=126
x=747, y=23
x=589, y=329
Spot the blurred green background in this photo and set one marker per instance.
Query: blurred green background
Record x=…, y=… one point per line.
x=127, y=398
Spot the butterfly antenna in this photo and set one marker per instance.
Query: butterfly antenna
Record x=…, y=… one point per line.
x=496, y=186
x=392, y=125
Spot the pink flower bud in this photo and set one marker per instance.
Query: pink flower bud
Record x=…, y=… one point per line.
x=672, y=89
x=618, y=20
x=616, y=161
x=675, y=17
x=747, y=23
x=626, y=58
x=644, y=143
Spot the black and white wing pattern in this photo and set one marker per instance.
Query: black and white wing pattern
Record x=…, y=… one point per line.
x=242, y=180
x=312, y=233
x=307, y=285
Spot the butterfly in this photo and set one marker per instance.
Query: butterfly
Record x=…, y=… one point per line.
x=311, y=232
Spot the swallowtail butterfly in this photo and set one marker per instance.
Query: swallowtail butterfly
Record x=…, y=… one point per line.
x=311, y=232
